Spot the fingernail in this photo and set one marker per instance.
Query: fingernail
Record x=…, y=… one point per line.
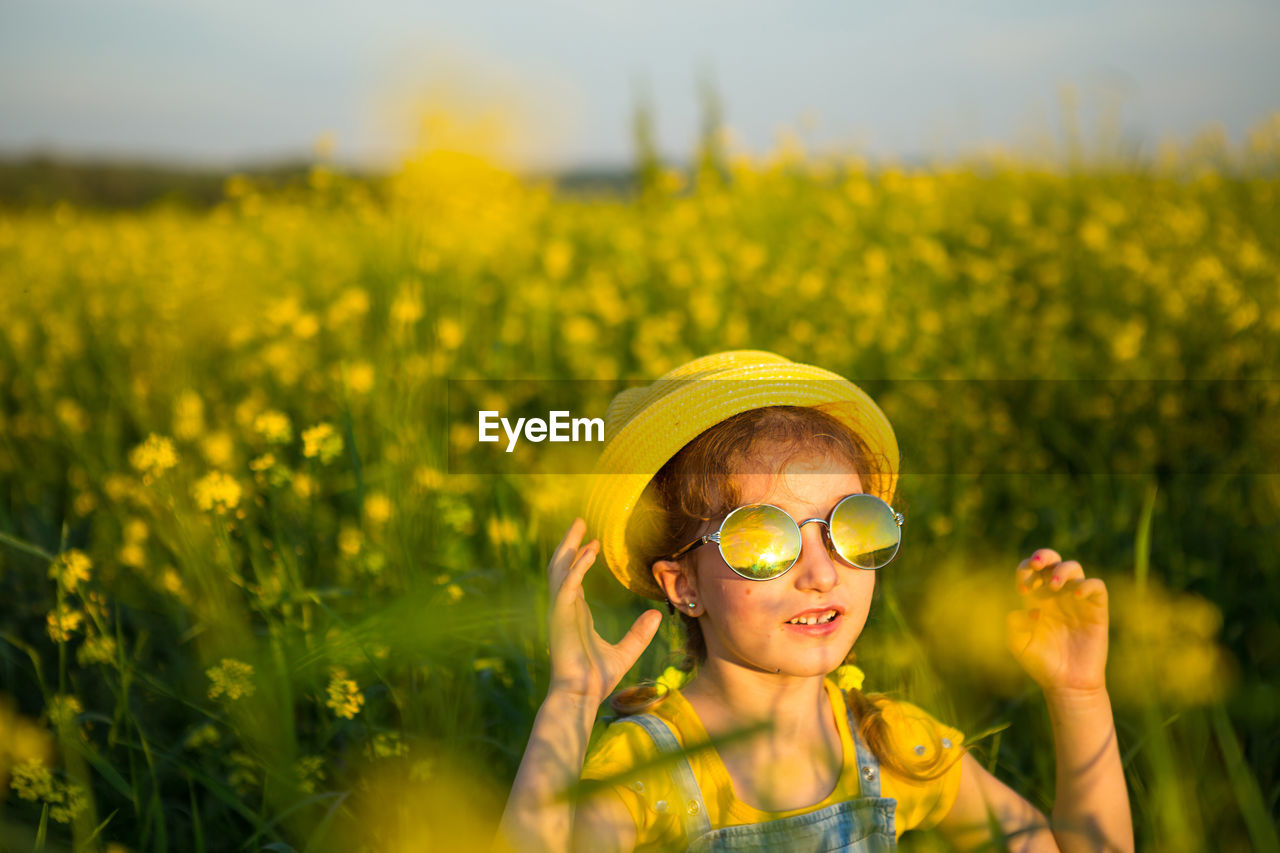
x=1057, y=578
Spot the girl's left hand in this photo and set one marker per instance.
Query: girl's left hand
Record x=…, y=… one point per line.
x=1060, y=635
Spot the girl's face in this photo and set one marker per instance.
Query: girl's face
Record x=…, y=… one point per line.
x=749, y=623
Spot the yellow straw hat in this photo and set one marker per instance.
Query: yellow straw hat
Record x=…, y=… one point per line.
x=645, y=427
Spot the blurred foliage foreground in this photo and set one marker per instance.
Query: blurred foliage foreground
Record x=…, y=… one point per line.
x=247, y=604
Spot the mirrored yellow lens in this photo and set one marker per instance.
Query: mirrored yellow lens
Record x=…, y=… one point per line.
x=865, y=532
x=759, y=542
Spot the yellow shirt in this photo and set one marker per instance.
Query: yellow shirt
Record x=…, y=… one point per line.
x=920, y=805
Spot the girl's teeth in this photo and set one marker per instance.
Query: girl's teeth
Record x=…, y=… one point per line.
x=814, y=620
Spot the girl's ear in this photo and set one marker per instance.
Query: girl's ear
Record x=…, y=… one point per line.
x=674, y=582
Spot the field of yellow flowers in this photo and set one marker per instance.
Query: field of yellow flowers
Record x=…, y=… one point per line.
x=248, y=602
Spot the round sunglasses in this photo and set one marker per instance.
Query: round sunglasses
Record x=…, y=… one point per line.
x=761, y=542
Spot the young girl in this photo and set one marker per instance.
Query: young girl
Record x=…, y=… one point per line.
x=754, y=496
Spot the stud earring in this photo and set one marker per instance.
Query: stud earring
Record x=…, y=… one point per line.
x=692, y=605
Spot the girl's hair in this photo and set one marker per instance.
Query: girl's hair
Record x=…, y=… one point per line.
x=697, y=485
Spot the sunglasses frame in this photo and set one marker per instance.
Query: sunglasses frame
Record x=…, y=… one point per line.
x=826, y=535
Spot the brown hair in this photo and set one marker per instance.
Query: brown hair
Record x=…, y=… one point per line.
x=697, y=486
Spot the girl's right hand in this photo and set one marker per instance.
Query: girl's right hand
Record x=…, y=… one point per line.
x=583, y=664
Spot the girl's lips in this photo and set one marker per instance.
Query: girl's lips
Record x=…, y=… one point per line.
x=819, y=630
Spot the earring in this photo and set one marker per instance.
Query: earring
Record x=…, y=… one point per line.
x=692, y=605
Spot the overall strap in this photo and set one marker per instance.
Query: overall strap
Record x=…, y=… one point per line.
x=868, y=764
x=689, y=806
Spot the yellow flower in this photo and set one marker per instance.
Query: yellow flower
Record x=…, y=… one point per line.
x=406, y=309
x=673, y=678
x=349, y=539
x=503, y=531
x=188, y=415
x=153, y=457
x=274, y=427
x=309, y=771
x=321, y=441
x=345, y=698
x=62, y=623
x=97, y=650
x=63, y=709
x=231, y=678
x=21, y=740
x=218, y=448
x=849, y=677
x=135, y=530
x=32, y=780
x=360, y=377
x=216, y=492
x=427, y=479
x=72, y=415
x=68, y=801
x=385, y=745
x=202, y=736
x=377, y=508
x=70, y=569
x=303, y=485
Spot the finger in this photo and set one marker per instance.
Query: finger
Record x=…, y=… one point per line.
x=1042, y=557
x=566, y=552
x=1031, y=579
x=571, y=587
x=642, y=632
x=1061, y=574
x=1023, y=576
x=1092, y=590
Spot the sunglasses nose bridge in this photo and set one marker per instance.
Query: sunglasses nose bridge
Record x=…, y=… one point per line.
x=827, y=575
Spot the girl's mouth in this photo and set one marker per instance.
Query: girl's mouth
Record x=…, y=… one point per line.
x=815, y=624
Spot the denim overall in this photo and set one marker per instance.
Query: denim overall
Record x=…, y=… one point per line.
x=862, y=825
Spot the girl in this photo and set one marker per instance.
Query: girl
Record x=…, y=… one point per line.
x=754, y=495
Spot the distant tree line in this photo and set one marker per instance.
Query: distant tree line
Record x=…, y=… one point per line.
x=43, y=180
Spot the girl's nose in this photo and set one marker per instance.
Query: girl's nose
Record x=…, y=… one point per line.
x=815, y=569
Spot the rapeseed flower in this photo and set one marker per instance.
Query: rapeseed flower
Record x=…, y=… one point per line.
x=153, y=457
x=218, y=448
x=62, y=623
x=70, y=569
x=188, y=415
x=232, y=679
x=274, y=427
x=216, y=492
x=69, y=801
x=97, y=649
x=63, y=709
x=71, y=415
x=21, y=740
x=360, y=376
x=309, y=771
x=386, y=745
x=323, y=442
x=201, y=736
x=344, y=696
x=377, y=508
x=32, y=780
x=350, y=540
x=407, y=309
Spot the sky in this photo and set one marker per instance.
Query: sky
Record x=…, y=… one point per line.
x=234, y=82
